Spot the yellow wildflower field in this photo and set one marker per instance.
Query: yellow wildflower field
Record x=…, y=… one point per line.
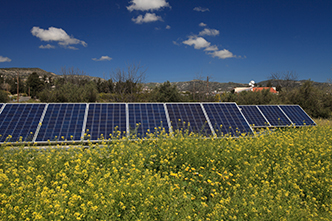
x=280, y=175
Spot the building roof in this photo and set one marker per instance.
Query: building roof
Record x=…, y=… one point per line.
x=255, y=89
x=271, y=89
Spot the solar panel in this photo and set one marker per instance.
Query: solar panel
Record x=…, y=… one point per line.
x=297, y=115
x=146, y=116
x=274, y=115
x=226, y=118
x=62, y=122
x=182, y=114
x=254, y=116
x=20, y=121
x=105, y=120
x=68, y=121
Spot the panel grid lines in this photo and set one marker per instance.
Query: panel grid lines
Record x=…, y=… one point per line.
x=297, y=115
x=254, y=116
x=182, y=114
x=146, y=118
x=274, y=115
x=62, y=122
x=20, y=121
x=226, y=119
x=105, y=121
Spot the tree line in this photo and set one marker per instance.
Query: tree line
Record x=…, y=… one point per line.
x=127, y=86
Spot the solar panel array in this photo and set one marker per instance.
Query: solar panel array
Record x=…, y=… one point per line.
x=68, y=122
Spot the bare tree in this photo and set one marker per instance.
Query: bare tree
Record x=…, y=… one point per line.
x=285, y=79
x=72, y=75
x=128, y=82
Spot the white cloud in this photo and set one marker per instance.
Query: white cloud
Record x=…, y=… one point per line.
x=202, y=24
x=148, y=17
x=5, y=59
x=209, y=32
x=200, y=9
x=102, y=58
x=222, y=54
x=48, y=46
x=211, y=48
x=145, y=5
x=168, y=27
x=176, y=43
x=72, y=47
x=58, y=35
x=197, y=42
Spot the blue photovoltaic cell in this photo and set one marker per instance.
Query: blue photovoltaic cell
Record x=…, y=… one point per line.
x=226, y=119
x=20, y=120
x=274, y=115
x=253, y=116
x=104, y=120
x=147, y=116
x=297, y=115
x=62, y=122
x=182, y=114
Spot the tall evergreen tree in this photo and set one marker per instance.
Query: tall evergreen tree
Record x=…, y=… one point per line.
x=34, y=84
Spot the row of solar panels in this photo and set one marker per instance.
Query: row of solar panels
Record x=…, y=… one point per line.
x=80, y=121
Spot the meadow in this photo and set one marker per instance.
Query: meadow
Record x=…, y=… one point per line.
x=278, y=175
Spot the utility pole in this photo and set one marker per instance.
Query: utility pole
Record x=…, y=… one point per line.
x=207, y=84
x=18, y=89
x=194, y=91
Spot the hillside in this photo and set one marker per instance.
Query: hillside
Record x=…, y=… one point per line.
x=193, y=85
x=24, y=72
x=199, y=85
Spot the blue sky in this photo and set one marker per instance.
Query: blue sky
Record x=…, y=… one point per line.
x=175, y=40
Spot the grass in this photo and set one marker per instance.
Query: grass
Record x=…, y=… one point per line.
x=284, y=175
x=323, y=122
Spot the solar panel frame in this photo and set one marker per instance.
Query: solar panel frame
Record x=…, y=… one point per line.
x=256, y=119
x=2, y=107
x=146, y=118
x=66, y=120
x=20, y=121
x=227, y=119
x=106, y=121
x=193, y=114
x=275, y=115
x=297, y=115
